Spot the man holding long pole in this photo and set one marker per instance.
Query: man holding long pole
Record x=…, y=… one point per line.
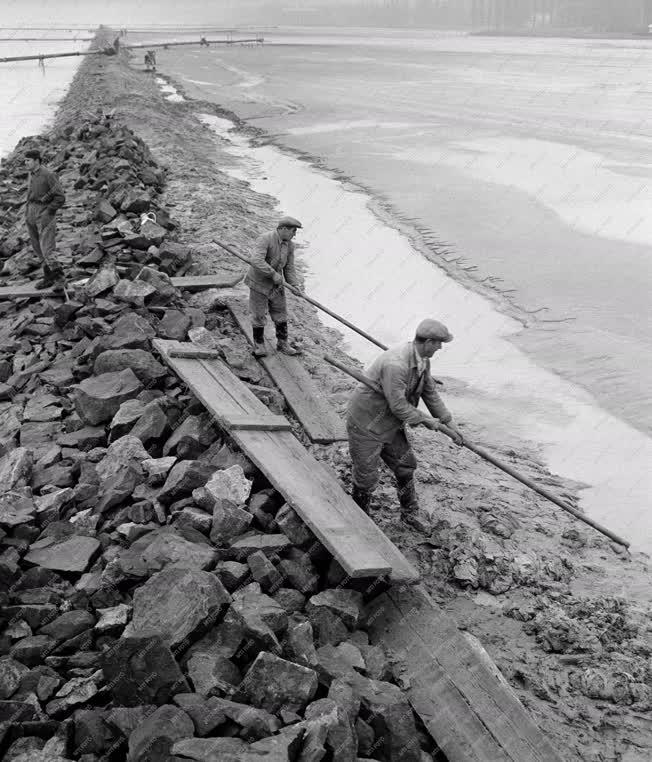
x=377, y=417
x=271, y=265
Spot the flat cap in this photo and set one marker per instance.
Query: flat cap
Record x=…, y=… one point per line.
x=289, y=222
x=33, y=154
x=433, y=329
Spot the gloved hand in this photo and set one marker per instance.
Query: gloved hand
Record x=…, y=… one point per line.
x=432, y=424
x=457, y=434
x=277, y=278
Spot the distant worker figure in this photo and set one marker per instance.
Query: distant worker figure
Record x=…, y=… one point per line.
x=376, y=420
x=44, y=197
x=272, y=261
x=150, y=60
x=203, y=42
x=116, y=44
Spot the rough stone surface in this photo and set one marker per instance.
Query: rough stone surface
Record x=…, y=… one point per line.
x=272, y=683
x=98, y=399
x=142, y=363
x=154, y=738
x=69, y=554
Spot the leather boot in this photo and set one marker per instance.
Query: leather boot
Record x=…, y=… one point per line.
x=362, y=497
x=411, y=512
x=259, y=341
x=52, y=278
x=282, y=340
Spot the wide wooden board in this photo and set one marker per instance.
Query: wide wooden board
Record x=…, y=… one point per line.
x=200, y=282
x=455, y=688
x=320, y=422
x=313, y=491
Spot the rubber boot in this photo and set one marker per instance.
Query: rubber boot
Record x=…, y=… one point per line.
x=362, y=497
x=259, y=341
x=411, y=512
x=52, y=277
x=282, y=340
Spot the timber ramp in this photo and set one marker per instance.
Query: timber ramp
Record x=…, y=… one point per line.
x=450, y=681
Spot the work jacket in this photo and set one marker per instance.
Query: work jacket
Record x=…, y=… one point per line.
x=396, y=373
x=271, y=255
x=43, y=191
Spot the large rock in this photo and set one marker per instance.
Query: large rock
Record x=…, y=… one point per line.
x=143, y=364
x=160, y=281
x=229, y=484
x=185, y=477
x=200, y=429
x=177, y=602
x=270, y=544
x=155, y=550
x=273, y=683
x=67, y=554
x=212, y=750
x=15, y=469
x=329, y=728
x=16, y=509
x=69, y=624
x=133, y=292
x=213, y=673
x=262, y=617
x=152, y=741
x=103, y=280
x=174, y=325
x=344, y=603
x=120, y=471
x=173, y=256
x=152, y=424
x=229, y=521
x=76, y=692
x=141, y=670
x=292, y=527
x=11, y=673
x=98, y=399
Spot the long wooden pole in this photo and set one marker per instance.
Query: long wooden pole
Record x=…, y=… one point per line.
x=494, y=461
x=314, y=302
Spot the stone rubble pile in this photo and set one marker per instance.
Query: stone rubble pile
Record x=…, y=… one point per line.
x=159, y=600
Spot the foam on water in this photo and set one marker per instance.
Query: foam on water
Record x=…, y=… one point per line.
x=370, y=273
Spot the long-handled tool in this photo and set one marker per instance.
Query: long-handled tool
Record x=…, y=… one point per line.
x=487, y=456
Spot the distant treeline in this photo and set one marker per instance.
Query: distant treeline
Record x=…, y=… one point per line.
x=516, y=15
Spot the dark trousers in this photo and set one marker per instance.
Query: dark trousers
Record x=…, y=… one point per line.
x=42, y=229
x=367, y=451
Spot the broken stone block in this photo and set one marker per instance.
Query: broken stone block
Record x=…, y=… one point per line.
x=43, y=408
x=133, y=292
x=272, y=683
x=229, y=484
x=327, y=626
x=228, y=520
x=176, y=602
x=340, y=741
x=205, y=715
x=174, y=256
x=264, y=572
x=102, y=281
x=232, y=574
x=152, y=424
x=11, y=673
x=337, y=661
x=260, y=615
x=120, y=471
x=303, y=577
x=39, y=437
x=84, y=439
x=136, y=200
x=32, y=650
x=157, y=469
x=184, y=477
x=290, y=600
x=15, y=469
x=113, y=619
x=69, y=624
x=154, y=738
x=125, y=419
x=212, y=672
x=174, y=325
x=160, y=281
x=142, y=363
x=76, y=692
x=344, y=603
x=292, y=526
x=104, y=211
x=211, y=749
x=69, y=554
x=299, y=643
x=98, y=398
x=141, y=669
x=269, y=544
x=200, y=429
x=16, y=509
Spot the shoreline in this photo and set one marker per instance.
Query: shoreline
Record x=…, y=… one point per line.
x=561, y=611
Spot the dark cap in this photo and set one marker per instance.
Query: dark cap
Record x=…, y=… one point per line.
x=433, y=329
x=289, y=222
x=33, y=154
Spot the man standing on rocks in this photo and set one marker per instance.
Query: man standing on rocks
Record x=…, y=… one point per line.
x=271, y=265
x=376, y=420
x=44, y=197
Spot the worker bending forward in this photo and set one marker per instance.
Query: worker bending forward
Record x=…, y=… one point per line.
x=376, y=419
x=272, y=264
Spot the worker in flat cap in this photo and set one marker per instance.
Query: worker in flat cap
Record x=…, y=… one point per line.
x=272, y=264
x=376, y=420
x=44, y=197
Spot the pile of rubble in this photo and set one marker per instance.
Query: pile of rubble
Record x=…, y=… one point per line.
x=160, y=601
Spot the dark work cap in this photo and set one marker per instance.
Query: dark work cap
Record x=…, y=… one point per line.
x=33, y=154
x=433, y=329
x=289, y=222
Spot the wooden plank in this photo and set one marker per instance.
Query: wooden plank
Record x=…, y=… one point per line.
x=200, y=282
x=314, y=492
x=27, y=291
x=264, y=423
x=320, y=422
x=464, y=701
x=193, y=351
x=308, y=486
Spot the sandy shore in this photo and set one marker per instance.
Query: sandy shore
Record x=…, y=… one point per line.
x=564, y=613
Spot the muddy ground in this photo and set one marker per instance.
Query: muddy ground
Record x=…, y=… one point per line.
x=564, y=613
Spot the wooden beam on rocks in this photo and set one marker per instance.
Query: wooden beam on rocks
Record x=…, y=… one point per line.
x=320, y=422
x=453, y=685
x=308, y=486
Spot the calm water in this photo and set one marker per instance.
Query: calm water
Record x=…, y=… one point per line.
x=530, y=158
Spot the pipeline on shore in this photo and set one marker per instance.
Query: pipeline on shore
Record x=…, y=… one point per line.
x=113, y=51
